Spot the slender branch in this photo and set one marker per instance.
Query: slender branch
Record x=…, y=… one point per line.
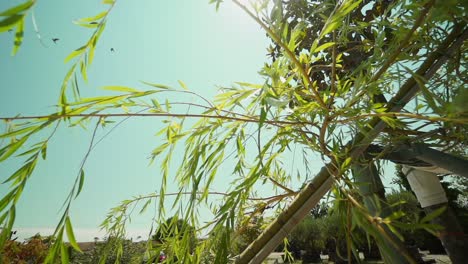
x=404, y=43
x=247, y=120
x=156, y=195
x=393, y=56
x=405, y=115
x=276, y=183
x=289, y=53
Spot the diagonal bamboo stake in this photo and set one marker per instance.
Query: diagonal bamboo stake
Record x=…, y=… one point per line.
x=259, y=249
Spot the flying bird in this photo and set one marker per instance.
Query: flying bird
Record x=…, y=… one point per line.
x=55, y=40
x=112, y=50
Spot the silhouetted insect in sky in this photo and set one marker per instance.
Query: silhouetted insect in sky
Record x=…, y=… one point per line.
x=112, y=50
x=55, y=40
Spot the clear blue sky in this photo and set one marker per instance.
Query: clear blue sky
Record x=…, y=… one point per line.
x=156, y=41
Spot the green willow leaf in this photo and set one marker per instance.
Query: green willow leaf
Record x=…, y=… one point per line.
x=92, y=49
x=6, y=200
x=63, y=95
x=121, y=89
x=183, y=85
x=433, y=214
x=12, y=148
x=18, y=132
x=91, y=19
x=17, y=9
x=329, y=27
x=88, y=25
x=70, y=235
x=53, y=251
x=83, y=71
x=263, y=114
x=143, y=209
x=75, y=53
x=44, y=151
x=80, y=183
x=5, y=234
x=18, y=36
x=64, y=254
x=323, y=47
x=161, y=86
x=10, y=22
x=21, y=172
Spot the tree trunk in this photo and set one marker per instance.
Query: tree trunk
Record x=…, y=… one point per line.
x=453, y=237
x=431, y=196
x=370, y=186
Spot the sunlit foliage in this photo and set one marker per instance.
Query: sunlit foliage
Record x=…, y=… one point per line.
x=340, y=71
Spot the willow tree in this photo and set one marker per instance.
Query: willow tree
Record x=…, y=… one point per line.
x=344, y=75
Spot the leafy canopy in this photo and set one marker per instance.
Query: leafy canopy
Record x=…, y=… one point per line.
x=334, y=67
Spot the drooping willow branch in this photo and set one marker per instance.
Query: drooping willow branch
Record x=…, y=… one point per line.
x=97, y=115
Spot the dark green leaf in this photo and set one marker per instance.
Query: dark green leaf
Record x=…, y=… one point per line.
x=10, y=22
x=433, y=214
x=80, y=183
x=263, y=115
x=18, y=36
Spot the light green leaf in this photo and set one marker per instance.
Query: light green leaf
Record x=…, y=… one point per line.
x=88, y=25
x=91, y=50
x=63, y=96
x=346, y=163
x=12, y=148
x=182, y=84
x=18, y=132
x=83, y=71
x=64, y=254
x=329, y=27
x=161, y=86
x=121, y=89
x=156, y=104
x=324, y=46
x=91, y=19
x=70, y=235
x=75, y=53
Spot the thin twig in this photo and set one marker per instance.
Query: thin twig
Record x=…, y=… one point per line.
x=247, y=120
